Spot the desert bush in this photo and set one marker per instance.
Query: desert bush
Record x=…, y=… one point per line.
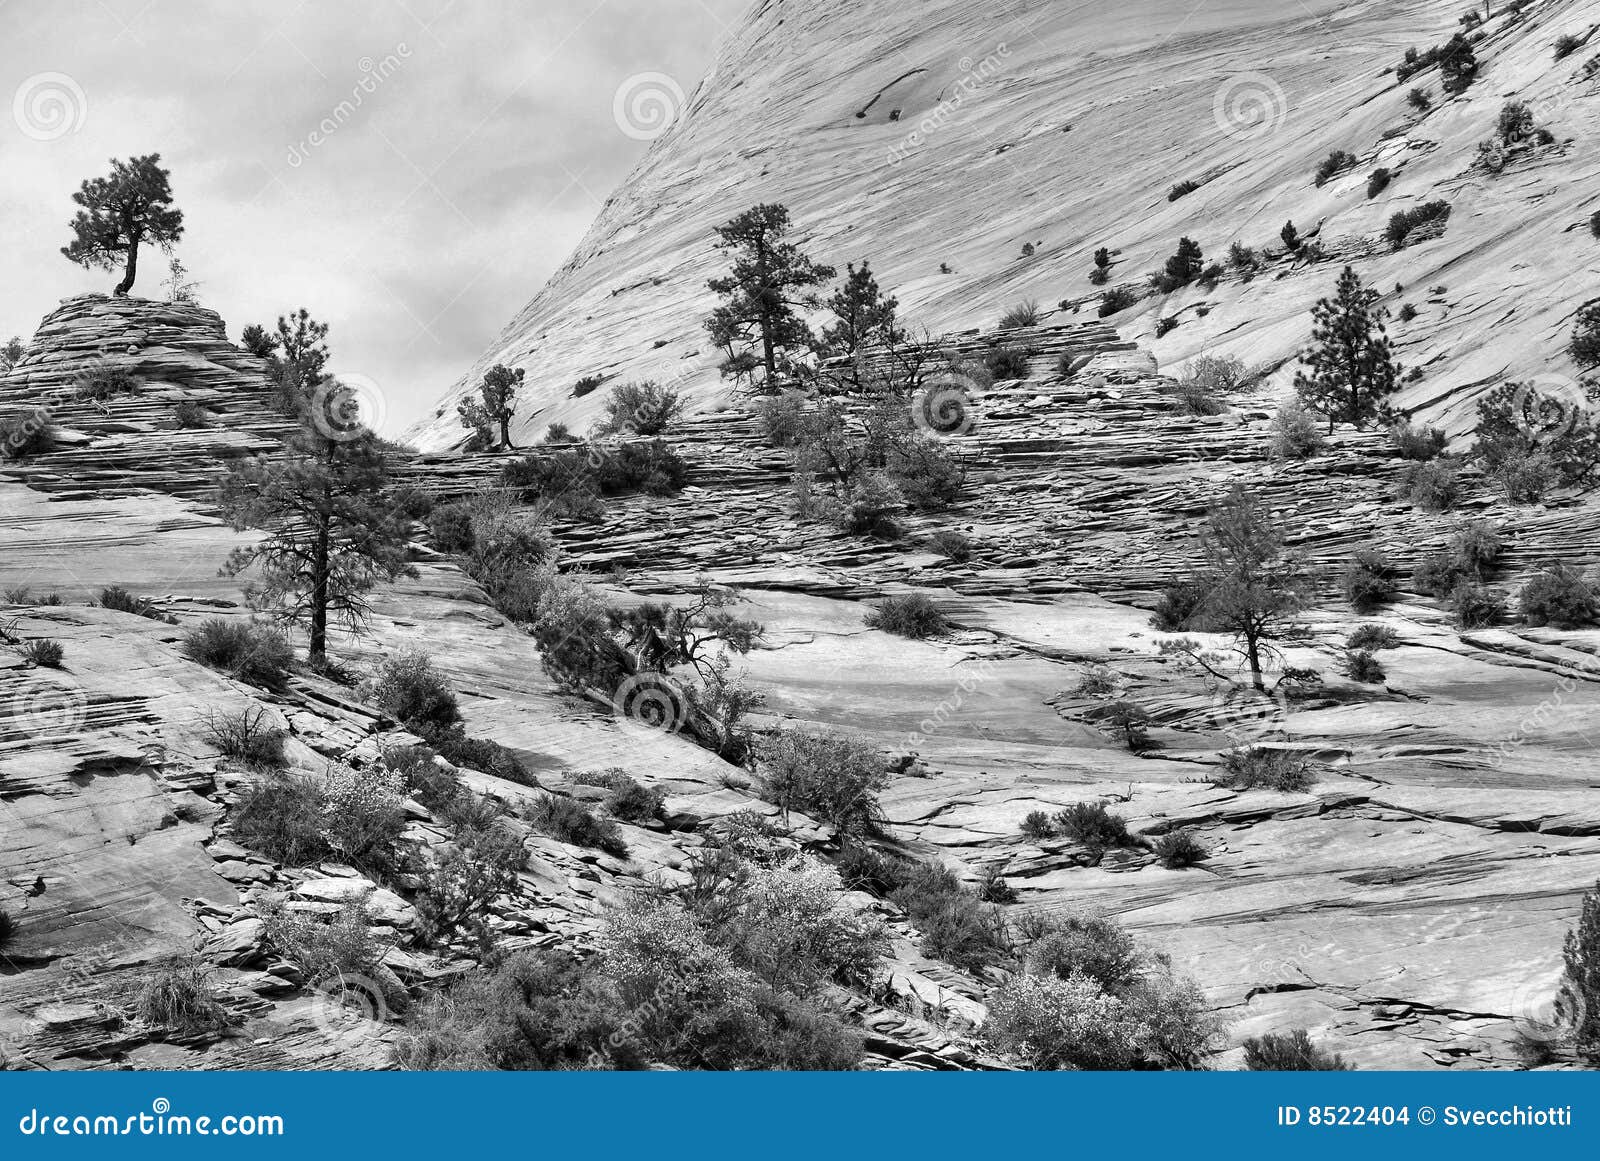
x=1417, y=443
x=1362, y=666
x=1177, y=606
x=1127, y=721
x=779, y=417
x=1378, y=182
x=1023, y=314
x=955, y=926
x=24, y=434
x=1433, y=486
x=1371, y=638
x=952, y=545
x=1584, y=346
x=247, y=736
x=863, y=869
x=628, y=799
x=45, y=652
x=587, y=385
x=326, y=948
x=1118, y=298
x=645, y=408
x=363, y=814
x=1289, y=1052
x=558, y=433
x=1090, y=824
x=1436, y=574
x=451, y=527
x=1474, y=606
x=1566, y=44
x=1243, y=259
x=928, y=475
x=478, y=867
x=831, y=777
x=1295, y=433
x=1008, y=361
x=1403, y=222
x=1264, y=768
x=8, y=928
x=1039, y=825
x=1419, y=100
x=1180, y=848
x=908, y=615
x=1476, y=548
x=1594, y=223
x=1578, y=1002
x=1526, y=478
x=1063, y=1024
x=1182, y=189
x=1092, y=946
x=872, y=508
x=1365, y=580
x=1560, y=596
x=282, y=817
x=1335, y=163
x=411, y=502
x=118, y=598
x=408, y=688
x=190, y=416
x=180, y=994
x=247, y=650
x=651, y=467
x=570, y=821
x=106, y=382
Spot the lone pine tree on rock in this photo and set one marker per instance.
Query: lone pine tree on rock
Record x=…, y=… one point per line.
x=496, y=405
x=131, y=206
x=1350, y=368
x=768, y=283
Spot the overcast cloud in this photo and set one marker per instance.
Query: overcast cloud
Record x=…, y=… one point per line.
x=475, y=145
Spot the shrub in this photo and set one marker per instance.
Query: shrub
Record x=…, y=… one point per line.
x=363, y=814
x=586, y=385
x=26, y=433
x=1433, y=486
x=927, y=473
x=1407, y=312
x=952, y=545
x=1419, y=100
x=1476, y=548
x=180, y=995
x=1436, y=574
x=650, y=467
x=411, y=502
x=1402, y=223
x=1560, y=596
x=1585, y=344
x=1095, y=947
x=570, y=821
x=863, y=869
x=1177, y=605
x=282, y=817
x=1289, y=1052
x=247, y=650
x=993, y=888
x=831, y=777
x=1578, y=1003
x=1417, y=443
x=1243, y=259
x=1182, y=189
x=1295, y=434
x=641, y=409
x=118, y=598
x=1090, y=824
x=872, y=508
x=1371, y=638
x=1039, y=825
x=628, y=800
x=1118, y=298
x=1594, y=223
x=1566, y=44
x=476, y=869
x=558, y=433
x=780, y=418
x=413, y=692
x=1024, y=314
x=955, y=926
x=451, y=527
x=44, y=652
x=1127, y=721
x=908, y=615
x=1179, y=849
x=1263, y=768
x=1055, y=1024
x=104, y=383
x=1378, y=182
x=246, y=736
x=8, y=928
x=1474, y=606
x=1365, y=580
x=331, y=948
x=189, y=415
x=1360, y=665
x=1336, y=162
x=1008, y=362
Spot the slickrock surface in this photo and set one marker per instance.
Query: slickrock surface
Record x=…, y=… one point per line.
x=1064, y=127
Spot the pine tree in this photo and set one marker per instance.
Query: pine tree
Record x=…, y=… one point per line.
x=1350, y=369
x=1458, y=65
x=1184, y=266
x=119, y=213
x=496, y=404
x=1291, y=237
x=769, y=281
x=1252, y=585
x=1578, y=1003
x=864, y=318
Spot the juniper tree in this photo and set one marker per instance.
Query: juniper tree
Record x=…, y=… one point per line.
x=119, y=213
x=11, y=353
x=496, y=403
x=1578, y=1003
x=1350, y=368
x=1291, y=237
x=1458, y=65
x=1184, y=266
x=769, y=281
x=863, y=317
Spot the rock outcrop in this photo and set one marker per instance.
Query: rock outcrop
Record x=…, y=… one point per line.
x=939, y=139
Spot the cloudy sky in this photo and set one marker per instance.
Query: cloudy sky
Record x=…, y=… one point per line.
x=477, y=141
